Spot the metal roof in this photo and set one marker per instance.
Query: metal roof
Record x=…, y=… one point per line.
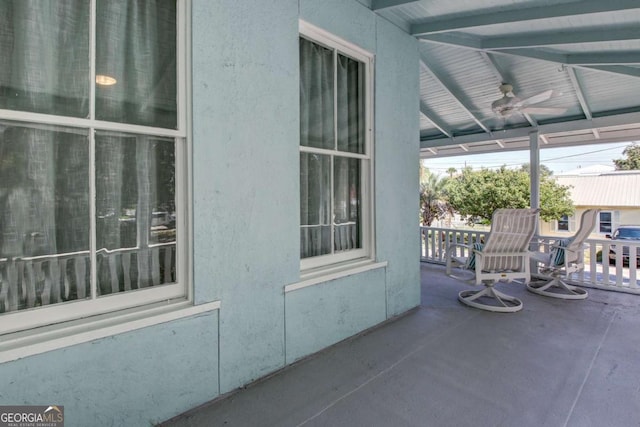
x=613, y=189
x=586, y=52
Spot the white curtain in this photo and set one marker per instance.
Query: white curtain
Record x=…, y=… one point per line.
x=44, y=169
x=327, y=209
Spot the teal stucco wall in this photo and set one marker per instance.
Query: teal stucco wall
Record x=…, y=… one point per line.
x=245, y=216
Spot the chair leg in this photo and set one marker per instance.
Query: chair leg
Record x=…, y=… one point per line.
x=557, y=288
x=505, y=303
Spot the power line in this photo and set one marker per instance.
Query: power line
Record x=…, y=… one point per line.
x=582, y=154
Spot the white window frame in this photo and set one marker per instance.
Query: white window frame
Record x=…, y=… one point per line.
x=615, y=220
x=179, y=292
x=571, y=224
x=343, y=47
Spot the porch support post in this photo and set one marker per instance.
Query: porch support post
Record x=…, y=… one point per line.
x=534, y=170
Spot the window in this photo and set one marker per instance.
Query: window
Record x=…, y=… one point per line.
x=563, y=223
x=92, y=158
x=566, y=223
x=606, y=222
x=335, y=150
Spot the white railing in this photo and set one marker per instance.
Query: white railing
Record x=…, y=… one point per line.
x=620, y=275
x=27, y=282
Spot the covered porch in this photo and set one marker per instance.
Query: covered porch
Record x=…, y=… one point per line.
x=556, y=363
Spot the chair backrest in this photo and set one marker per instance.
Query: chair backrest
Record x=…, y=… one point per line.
x=587, y=224
x=511, y=233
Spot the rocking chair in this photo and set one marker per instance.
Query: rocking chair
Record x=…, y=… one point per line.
x=503, y=257
x=564, y=259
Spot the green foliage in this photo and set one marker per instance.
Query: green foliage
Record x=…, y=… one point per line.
x=544, y=170
x=477, y=194
x=632, y=160
x=433, y=198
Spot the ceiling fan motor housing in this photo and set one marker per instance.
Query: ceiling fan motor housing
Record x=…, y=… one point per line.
x=505, y=105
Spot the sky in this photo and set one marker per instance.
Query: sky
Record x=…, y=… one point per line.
x=559, y=160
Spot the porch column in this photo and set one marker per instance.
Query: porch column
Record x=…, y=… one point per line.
x=534, y=169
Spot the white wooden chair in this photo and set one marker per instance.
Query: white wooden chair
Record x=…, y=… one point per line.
x=503, y=257
x=564, y=259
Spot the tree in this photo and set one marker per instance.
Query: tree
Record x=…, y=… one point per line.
x=633, y=158
x=433, y=199
x=476, y=194
x=544, y=170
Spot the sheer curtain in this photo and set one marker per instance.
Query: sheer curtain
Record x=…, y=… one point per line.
x=44, y=169
x=331, y=118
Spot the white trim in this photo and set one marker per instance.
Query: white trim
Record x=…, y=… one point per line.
x=333, y=42
x=92, y=58
x=613, y=221
x=14, y=321
x=336, y=272
x=94, y=307
x=367, y=176
x=311, y=263
x=76, y=122
x=327, y=152
x=19, y=345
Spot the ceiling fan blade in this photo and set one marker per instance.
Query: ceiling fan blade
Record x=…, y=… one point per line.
x=542, y=110
x=543, y=96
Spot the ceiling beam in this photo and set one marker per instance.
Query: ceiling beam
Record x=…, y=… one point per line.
x=447, y=86
x=474, y=43
x=547, y=129
x=522, y=15
x=378, y=5
x=616, y=69
x=616, y=58
x=433, y=118
x=592, y=35
x=577, y=87
x=463, y=41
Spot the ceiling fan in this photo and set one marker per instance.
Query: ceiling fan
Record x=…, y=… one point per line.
x=510, y=104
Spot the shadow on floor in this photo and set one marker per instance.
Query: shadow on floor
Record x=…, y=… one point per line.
x=555, y=363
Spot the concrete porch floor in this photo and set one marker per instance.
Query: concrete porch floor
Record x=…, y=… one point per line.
x=555, y=363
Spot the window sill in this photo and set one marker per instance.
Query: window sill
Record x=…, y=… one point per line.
x=321, y=275
x=28, y=343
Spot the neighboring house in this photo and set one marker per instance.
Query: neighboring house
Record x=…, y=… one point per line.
x=195, y=194
x=615, y=193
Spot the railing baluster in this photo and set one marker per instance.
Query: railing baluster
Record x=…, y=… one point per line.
x=54, y=278
x=113, y=273
x=45, y=293
x=168, y=263
x=29, y=284
x=126, y=270
x=143, y=268
x=12, y=276
x=155, y=266
x=80, y=271
x=4, y=285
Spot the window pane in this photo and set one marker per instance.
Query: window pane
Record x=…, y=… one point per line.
x=563, y=223
x=605, y=222
x=316, y=96
x=44, y=216
x=346, y=218
x=136, y=47
x=135, y=207
x=351, y=118
x=44, y=46
x=315, y=205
